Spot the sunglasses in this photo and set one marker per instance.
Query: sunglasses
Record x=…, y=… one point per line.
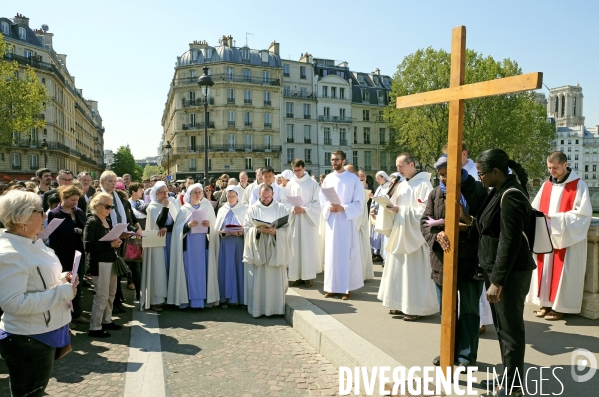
x=108, y=206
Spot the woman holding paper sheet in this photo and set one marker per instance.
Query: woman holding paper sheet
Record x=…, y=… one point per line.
x=68, y=238
x=101, y=256
x=161, y=214
x=229, y=248
x=34, y=293
x=378, y=240
x=192, y=275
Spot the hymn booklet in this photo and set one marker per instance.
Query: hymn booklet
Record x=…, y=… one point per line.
x=282, y=221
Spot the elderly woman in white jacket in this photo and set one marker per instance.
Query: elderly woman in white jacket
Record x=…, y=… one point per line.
x=34, y=294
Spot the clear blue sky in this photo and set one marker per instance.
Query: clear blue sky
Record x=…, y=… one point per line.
x=123, y=53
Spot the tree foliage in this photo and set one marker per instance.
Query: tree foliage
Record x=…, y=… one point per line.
x=22, y=99
x=150, y=170
x=515, y=123
x=124, y=163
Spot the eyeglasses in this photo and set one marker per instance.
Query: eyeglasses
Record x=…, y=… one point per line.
x=335, y=160
x=108, y=206
x=480, y=174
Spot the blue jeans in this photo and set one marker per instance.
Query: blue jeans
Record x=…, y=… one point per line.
x=466, y=333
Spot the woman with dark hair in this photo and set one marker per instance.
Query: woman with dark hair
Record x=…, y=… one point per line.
x=504, y=255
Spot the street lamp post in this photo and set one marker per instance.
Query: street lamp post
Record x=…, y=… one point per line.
x=168, y=148
x=205, y=82
x=45, y=147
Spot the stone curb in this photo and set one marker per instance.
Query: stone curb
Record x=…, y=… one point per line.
x=333, y=340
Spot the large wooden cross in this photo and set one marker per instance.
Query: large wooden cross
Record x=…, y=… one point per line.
x=455, y=95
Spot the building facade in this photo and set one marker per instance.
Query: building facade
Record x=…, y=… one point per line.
x=244, y=110
x=73, y=137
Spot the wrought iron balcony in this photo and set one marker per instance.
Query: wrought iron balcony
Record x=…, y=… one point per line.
x=33, y=167
x=267, y=103
x=307, y=116
x=231, y=100
x=246, y=79
x=307, y=140
x=196, y=102
x=285, y=74
x=231, y=124
x=193, y=168
x=16, y=167
x=298, y=94
x=247, y=124
x=328, y=141
x=367, y=142
x=367, y=168
x=383, y=142
x=196, y=126
x=289, y=115
x=342, y=142
x=335, y=119
x=268, y=125
x=247, y=101
x=290, y=140
x=228, y=148
x=26, y=142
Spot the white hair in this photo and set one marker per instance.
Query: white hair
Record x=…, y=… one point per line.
x=16, y=207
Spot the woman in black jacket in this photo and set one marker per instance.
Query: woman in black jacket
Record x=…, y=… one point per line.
x=473, y=196
x=504, y=255
x=101, y=257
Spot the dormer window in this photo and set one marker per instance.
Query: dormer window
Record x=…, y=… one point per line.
x=208, y=53
x=194, y=55
x=245, y=53
x=264, y=55
x=22, y=33
x=4, y=28
x=361, y=79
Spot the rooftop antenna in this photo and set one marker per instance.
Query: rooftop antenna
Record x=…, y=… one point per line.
x=246, y=38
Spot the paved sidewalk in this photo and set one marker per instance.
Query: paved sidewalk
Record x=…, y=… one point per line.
x=549, y=344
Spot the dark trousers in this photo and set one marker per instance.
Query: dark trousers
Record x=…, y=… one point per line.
x=29, y=364
x=135, y=276
x=466, y=333
x=508, y=318
x=77, y=308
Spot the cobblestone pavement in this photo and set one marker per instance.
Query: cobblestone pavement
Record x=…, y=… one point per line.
x=216, y=352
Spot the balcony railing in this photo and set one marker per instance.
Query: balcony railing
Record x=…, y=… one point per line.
x=328, y=141
x=285, y=74
x=290, y=140
x=247, y=124
x=383, y=142
x=367, y=168
x=307, y=116
x=231, y=101
x=367, y=142
x=232, y=78
x=231, y=124
x=16, y=167
x=193, y=168
x=24, y=142
x=196, y=126
x=335, y=119
x=267, y=103
x=307, y=140
x=289, y=115
x=342, y=142
x=268, y=125
x=298, y=94
x=247, y=101
x=196, y=102
x=228, y=148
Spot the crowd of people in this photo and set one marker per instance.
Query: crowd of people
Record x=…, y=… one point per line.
x=236, y=243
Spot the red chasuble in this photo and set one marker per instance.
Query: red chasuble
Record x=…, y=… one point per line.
x=566, y=204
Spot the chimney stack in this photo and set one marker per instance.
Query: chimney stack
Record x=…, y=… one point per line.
x=306, y=58
x=21, y=19
x=274, y=47
x=377, y=71
x=224, y=41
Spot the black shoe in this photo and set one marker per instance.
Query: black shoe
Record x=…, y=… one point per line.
x=437, y=361
x=119, y=308
x=99, y=333
x=112, y=327
x=464, y=364
x=488, y=384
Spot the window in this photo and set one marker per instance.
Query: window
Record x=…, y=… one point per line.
x=340, y=74
x=22, y=33
x=290, y=155
x=594, y=167
x=4, y=28
x=303, y=92
x=192, y=96
x=265, y=76
x=341, y=113
x=267, y=98
x=577, y=141
x=333, y=92
x=327, y=111
x=562, y=142
x=366, y=135
x=574, y=100
x=286, y=90
x=229, y=74
x=247, y=119
x=575, y=166
x=342, y=136
x=16, y=161
x=307, y=111
x=192, y=119
x=382, y=136
x=267, y=141
x=341, y=93
x=563, y=105
x=383, y=161
x=327, y=157
x=267, y=162
x=208, y=53
x=286, y=69
x=307, y=134
x=569, y=157
x=246, y=75
x=586, y=168
x=381, y=96
x=231, y=119
x=355, y=158
x=327, y=136
x=209, y=164
x=27, y=53
x=355, y=135
x=230, y=95
x=575, y=157
x=267, y=120
x=247, y=141
x=231, y=141
x=586, y=176
x=308, y=156
x=247, y=97
x=366, y=115
x=289, y=109
x=368, y=160
x=569, y=141
x=33, y=137
x=569, y=149
x=302, y=72
x=365, y=96
x=290, y=133
x=325, y=91
x=193, y=164
x=249, y=163
x=33, y=164
x=245, y=53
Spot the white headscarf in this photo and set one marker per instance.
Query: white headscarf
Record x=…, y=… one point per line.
x=155, y=189
x=287, y=174
x=118, y=206
x=383, y=174
x=187, y=196
x=235, y=189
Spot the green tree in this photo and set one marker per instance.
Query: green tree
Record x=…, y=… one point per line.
x=150, y=170
x=515, y=123
x=124, y=163
x=22, y=99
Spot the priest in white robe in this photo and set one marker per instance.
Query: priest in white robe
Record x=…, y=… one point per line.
x=304, y=221
x=267, y=253
x=406, y=286
x=249, y=189
x=193, y=276
x=342, y=254
x=268, y=178
x=558, y=282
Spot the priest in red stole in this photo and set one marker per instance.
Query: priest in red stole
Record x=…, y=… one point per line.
x=558, y=283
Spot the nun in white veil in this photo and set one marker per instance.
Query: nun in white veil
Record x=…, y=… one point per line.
x=161, y=213
x=193, y=278
x=378, y=240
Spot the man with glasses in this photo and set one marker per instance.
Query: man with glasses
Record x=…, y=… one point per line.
x=64, y=178
x=342, y=256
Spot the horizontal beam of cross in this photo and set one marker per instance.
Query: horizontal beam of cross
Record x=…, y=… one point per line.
x=507, y=85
